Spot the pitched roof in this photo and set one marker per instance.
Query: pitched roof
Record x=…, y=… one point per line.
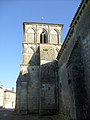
x=6, y=90
x=73, y=24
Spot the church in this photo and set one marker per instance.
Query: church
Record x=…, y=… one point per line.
x=54, y=78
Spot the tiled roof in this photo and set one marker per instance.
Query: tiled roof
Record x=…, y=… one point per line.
x=6, y=90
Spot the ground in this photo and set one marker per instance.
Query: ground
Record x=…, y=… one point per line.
x=8, y=114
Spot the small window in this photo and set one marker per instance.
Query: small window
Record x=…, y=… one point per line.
x=69, y=81
x=32, y=69
x=68, y=74
x=42, y=37
x=48, y=88
x=60, y=85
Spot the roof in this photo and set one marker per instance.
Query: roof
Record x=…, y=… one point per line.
x=73, y=24
x=6, y=90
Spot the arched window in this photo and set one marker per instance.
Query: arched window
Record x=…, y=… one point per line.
x=30, y=36
x=54, y=37
x=44, y=37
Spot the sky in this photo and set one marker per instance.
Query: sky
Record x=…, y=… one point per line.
x=12, y=14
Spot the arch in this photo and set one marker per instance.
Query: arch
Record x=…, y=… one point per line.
x=30, y=29
x=54, y=36
x=30, y=35
x=58, y=38
x=44, y=36
x=33, y=49
x=30, y=50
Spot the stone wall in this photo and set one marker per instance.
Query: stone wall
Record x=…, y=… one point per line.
x=33, y=92
x=34, y=30
x=42, y=42
x=76, y=83
x=48, y=79
x=49, y=88
x=37, y=84
x=74, y=66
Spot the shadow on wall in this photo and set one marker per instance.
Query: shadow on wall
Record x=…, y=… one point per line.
x=76, y=82
x=37, y=90
x=49, y=97
x=35, y=60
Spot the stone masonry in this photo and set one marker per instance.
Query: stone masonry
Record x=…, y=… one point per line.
x=74, y=66
x=55, y=79
x=37, y=84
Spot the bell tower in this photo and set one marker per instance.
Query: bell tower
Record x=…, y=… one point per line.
x=38, y=89
x=38, y=36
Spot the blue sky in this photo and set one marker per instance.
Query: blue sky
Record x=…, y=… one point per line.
x=12, y=14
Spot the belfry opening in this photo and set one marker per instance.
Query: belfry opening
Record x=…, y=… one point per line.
x=43, y=37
